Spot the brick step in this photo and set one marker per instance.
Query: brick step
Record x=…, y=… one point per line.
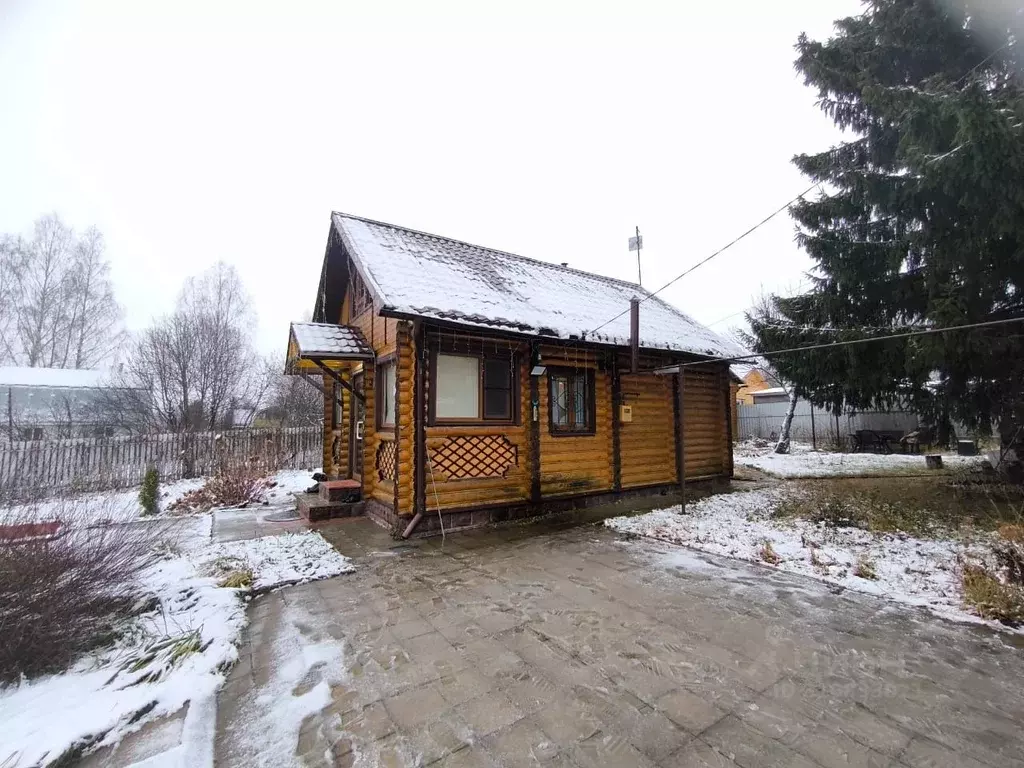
x=314, y=509
x=340, y=490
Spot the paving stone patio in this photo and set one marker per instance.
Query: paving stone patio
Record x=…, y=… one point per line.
x=572, y=646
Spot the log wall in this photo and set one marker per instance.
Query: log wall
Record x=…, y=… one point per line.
x=481, y=465
x=571, y=464
x=705, y=424
x=648, y=441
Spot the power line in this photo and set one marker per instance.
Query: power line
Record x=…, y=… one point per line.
x=721, y=250
x=851, y=342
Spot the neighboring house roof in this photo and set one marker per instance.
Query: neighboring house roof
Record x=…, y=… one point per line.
x=327, y=341
x=770, y=391
x=425, y=275
x=65, y=378
x=741, y=370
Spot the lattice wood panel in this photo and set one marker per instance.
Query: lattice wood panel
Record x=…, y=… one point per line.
x=387, y=455
x=474, y=456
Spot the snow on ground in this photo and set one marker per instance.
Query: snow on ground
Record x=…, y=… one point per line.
x=802, y=463
x=919, y=572
x=307, y=664
x=118, y=506
x=42, y=718
x=288, y=558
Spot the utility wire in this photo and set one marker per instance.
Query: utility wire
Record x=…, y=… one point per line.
x=701, y=263
x=851, y=342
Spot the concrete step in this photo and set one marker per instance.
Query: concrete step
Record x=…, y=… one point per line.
x=340, y=490
x=314, y=508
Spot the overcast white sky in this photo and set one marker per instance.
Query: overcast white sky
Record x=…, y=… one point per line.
x=192, y=132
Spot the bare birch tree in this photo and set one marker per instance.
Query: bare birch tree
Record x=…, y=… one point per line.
x=184, y=373
x=12, y=256
x=57, y=303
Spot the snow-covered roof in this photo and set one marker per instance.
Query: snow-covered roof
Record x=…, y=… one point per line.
x=769, y=391
x=430, y=276
x=65, y=378
x=330, y=341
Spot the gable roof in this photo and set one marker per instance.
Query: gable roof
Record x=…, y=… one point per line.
x=65, y=378
x=436, y=277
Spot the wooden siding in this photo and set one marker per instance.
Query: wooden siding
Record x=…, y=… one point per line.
x=705, y=424
x=648, y=441
x=572, y=464
x=405, y=374
x=336, y=436
x=510, y=487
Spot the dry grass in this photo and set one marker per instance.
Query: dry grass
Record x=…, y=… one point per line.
x=63, y=594
x=990, y=598
x=923, y=507
x=238, y=579
x=865, y=569
x=768, y=554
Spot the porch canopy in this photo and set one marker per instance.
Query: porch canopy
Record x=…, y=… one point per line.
x=320, y=346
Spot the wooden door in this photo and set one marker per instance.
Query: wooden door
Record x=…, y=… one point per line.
x=356, y=431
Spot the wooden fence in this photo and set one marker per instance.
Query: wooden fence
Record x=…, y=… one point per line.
x=34, y=469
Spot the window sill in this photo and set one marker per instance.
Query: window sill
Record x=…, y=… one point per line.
x=567, y=433
x=471, y=423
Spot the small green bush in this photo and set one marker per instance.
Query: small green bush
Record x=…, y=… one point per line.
x=149, y=496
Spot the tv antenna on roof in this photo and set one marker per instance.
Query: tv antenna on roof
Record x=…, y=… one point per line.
x=635, y=244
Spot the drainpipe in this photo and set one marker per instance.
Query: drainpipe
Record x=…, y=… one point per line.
x=412, y=525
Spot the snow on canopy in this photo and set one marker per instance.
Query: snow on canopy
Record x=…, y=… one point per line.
x=430, y=276
x=65, y=378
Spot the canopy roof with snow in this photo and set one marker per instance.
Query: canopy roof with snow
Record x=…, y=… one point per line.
x=417, y=274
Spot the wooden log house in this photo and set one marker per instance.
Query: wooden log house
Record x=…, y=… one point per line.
x=464, y=385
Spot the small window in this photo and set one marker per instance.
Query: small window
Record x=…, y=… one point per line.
x=498, y=389
x=386, y=394
x=472, y=388
x=572, y=400
x=458, y=387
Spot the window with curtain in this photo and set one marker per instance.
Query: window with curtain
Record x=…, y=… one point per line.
x=474, y=388
x=571, y=401
x=386, y=394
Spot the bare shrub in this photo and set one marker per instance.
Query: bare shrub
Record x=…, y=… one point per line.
x=66, y=583
x=234, y=485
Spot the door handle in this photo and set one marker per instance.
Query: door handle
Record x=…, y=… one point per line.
x=359, y=430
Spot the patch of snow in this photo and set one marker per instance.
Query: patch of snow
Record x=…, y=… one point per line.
x=303, y=671
x=910, y=570
x=288, y=558
x=98, y=697
x=121, y=506
x=823, y=464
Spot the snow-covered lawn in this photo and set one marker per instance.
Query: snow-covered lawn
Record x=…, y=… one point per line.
x=124, y=505
x=807, y=463
x=915, y=571
x=177, y=652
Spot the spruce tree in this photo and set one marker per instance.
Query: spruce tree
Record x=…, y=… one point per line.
x=919, y=221
x=149, y=494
